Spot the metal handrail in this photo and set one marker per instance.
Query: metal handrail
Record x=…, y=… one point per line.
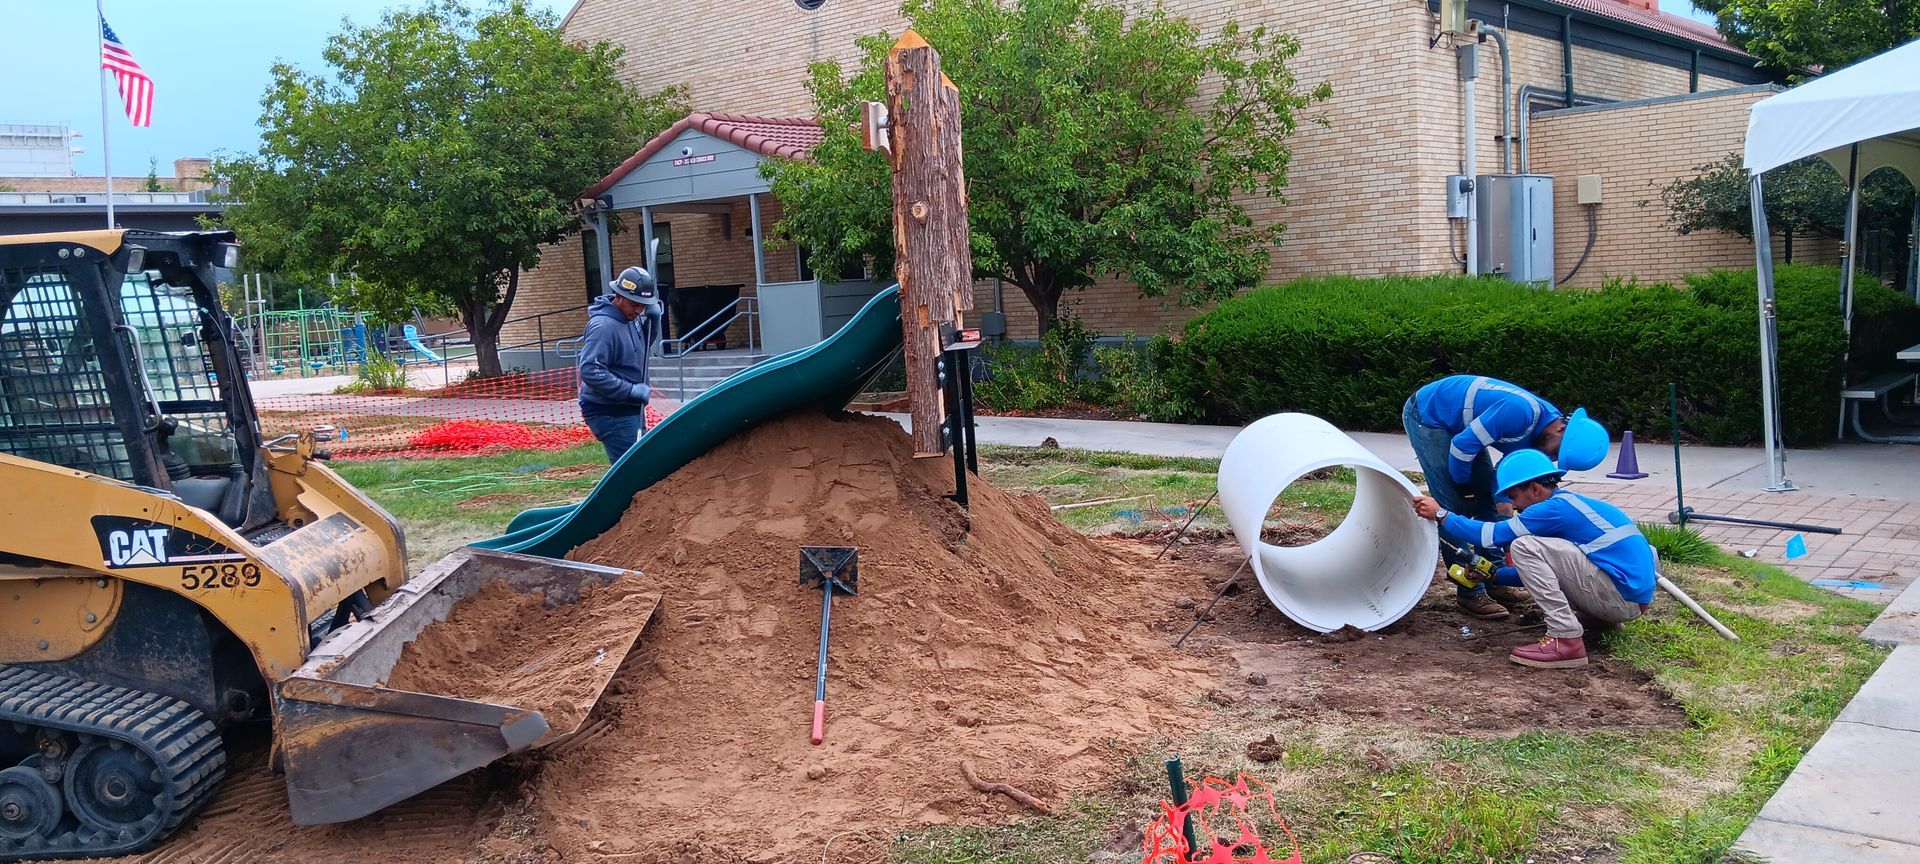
x=738, y=308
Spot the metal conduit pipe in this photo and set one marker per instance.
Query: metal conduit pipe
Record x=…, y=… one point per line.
x=1375, y=565
x=1530, y=95
x=1506, y=100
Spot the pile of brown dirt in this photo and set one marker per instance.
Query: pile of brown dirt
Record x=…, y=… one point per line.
x=1020, y=645
x=516, y=648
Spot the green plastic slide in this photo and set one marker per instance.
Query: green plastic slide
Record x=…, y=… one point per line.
x=827, y=375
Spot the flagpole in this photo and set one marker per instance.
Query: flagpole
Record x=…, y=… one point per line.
x=106, y=147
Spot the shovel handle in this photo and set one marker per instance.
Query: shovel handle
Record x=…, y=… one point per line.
x=819, y=720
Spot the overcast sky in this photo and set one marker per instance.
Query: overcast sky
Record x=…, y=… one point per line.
x=209, y=60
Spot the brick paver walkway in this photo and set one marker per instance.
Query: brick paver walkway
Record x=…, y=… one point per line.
x=1879, y=543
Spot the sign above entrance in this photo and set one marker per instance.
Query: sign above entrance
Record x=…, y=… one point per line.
x=695, y=160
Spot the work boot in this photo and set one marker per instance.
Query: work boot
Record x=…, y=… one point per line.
x=1508, y=594
x=1552, y=653
x=1479, y=605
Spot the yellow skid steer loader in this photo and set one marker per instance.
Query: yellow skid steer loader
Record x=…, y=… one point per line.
x=166, y=574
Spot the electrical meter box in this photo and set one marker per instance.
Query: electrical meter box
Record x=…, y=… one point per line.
x=1514, y=213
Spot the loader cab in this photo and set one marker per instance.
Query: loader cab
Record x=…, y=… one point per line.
x=117, y=359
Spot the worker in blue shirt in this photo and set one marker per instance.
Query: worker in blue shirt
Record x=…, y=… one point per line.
x=621, y=329
x=1577, y=556
x=1454, y=425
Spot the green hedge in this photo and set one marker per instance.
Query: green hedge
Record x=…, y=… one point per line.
x=1352, y=350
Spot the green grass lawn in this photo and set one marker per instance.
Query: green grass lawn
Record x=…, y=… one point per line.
x=446, y=503
x=1630, y=795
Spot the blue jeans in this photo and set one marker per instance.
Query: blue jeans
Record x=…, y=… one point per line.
x=1474, y=500
x=617, y=434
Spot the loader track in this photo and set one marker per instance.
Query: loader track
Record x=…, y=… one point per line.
x=126, y=768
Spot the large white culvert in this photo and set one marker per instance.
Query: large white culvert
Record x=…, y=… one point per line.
x=1371, y=570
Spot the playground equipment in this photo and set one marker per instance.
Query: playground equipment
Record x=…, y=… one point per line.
x=1371, y=570
x=412, y=335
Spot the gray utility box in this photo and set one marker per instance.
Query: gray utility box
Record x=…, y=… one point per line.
x=1515, y=231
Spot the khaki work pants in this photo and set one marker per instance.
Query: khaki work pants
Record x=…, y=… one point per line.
x=1562, y=580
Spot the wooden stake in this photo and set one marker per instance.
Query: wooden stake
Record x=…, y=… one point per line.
x=933, y=259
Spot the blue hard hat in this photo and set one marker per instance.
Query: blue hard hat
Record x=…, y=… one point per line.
x=1521, y=466
x=1584, y=444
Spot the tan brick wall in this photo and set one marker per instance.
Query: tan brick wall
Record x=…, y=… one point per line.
x=1646, y=147
x=1366, y=193
x=81, y=184
x=187, y=176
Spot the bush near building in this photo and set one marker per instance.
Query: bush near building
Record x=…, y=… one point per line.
x=1352, y=350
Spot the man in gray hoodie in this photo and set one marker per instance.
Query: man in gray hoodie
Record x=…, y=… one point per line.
x=621, y=330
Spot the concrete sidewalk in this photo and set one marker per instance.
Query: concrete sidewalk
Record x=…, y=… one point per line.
x=1856, y=795
x=1846, y=470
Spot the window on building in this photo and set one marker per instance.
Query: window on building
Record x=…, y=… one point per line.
x=596, y=281
x=663, y=260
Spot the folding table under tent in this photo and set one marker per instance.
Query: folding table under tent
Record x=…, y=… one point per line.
x=1860, y=119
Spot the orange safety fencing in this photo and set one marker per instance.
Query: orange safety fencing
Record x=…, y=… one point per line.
x=1227, y=819
x=430, y=418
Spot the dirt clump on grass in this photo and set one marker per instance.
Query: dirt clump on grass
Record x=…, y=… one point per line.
x=993, y=634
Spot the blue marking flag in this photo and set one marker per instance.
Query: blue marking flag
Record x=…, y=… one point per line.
x=1796, y=547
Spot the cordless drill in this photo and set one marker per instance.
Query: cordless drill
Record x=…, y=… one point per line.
x=1476, y=563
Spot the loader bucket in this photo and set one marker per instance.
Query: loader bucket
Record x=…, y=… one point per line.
x=349, y=746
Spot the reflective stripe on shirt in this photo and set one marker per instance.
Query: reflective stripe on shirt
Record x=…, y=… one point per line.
x=1609, y=532
x=1485, y=383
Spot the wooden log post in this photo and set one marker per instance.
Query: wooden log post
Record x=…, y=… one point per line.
x=932, y=256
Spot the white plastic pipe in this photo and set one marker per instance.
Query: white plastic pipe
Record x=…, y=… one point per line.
x=1371, y=570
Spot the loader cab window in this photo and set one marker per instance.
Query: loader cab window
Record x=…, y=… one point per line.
x=54, y=401
x=170, y=335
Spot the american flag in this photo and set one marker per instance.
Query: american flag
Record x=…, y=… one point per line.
x=136, y=89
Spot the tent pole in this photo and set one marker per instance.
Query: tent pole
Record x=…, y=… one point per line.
x=1769, y=375
x=1849, y=241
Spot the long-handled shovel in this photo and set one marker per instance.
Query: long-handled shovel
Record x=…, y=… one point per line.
x=829, y=568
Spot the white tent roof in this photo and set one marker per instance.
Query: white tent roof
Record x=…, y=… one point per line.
x=1874, y=103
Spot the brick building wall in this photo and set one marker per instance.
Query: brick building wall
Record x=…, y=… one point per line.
x=1647, y=147
x=1366, y=193
x=189, y=175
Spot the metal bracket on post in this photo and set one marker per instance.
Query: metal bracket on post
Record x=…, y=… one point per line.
x=954, y=371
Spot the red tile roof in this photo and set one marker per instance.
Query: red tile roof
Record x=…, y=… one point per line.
x=1646, y=14
x=784, y=137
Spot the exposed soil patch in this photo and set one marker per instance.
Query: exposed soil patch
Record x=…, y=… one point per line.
x=1020, y=645
x=527, y=650
x=570, y=472
x=1436, y=669
x=502, y=499
x=1069, y=411
x=1040, y=655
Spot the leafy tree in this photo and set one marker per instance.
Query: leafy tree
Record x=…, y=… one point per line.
x=1097, y=143
x=1804, y=198
x=435, y=157
x=153, y=183
x=1801, y=36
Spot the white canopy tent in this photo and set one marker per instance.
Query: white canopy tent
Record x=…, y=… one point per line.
x=1860, y=119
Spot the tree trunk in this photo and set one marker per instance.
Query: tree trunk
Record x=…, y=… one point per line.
x=485, y=339
x=1045, y=298
x=930, y=235
x=484, y=321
